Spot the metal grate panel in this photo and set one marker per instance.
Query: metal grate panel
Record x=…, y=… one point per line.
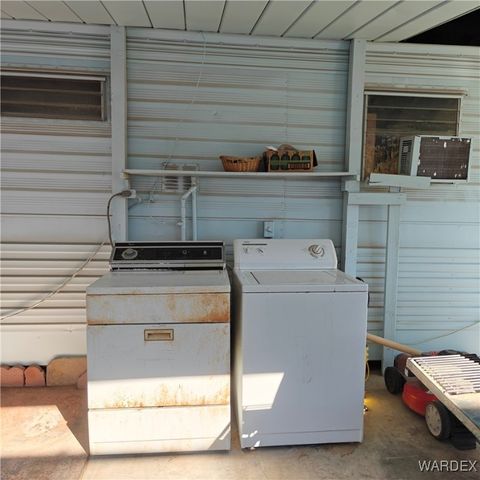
x=444, y=158
x=176, y=184
x=455, y=374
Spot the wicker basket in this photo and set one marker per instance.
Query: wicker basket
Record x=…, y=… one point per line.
x=240, y=164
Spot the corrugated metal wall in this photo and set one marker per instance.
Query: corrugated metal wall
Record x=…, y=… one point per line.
x=56, y=179
x=191, y=101
x=439, y=271
x=188, y=102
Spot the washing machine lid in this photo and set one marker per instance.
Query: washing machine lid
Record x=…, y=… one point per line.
x=284, y=254
x=297, y=281
x=161, y=282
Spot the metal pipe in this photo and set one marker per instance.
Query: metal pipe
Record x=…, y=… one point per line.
x=182, y=219
x=183, y=213
x=394, y=345
x=194, y=214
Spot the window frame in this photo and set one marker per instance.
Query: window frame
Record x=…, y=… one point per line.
x=405, y=92
x=103, y=79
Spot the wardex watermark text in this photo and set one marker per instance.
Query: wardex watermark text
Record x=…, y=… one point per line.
x=447, y=465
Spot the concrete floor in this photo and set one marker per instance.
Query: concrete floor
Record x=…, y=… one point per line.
x=44, y=436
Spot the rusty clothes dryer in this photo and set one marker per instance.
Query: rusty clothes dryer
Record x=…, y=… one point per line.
x=158, y=343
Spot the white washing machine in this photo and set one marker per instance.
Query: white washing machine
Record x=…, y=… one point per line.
x=158, y=342
x=299, y=328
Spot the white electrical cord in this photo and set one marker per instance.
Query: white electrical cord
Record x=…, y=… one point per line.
x=444, y=335
x=64, y=283
x=187, y=109
x=124, y=193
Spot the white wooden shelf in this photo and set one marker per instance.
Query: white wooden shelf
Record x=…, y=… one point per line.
x=221, y=174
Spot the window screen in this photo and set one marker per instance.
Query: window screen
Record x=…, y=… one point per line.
x=390, y=117
x=63, y=97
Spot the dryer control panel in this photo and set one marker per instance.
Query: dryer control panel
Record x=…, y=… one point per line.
x=284, y=254
x=167, y=255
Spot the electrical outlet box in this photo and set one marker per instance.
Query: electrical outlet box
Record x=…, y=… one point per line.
x=268, y=229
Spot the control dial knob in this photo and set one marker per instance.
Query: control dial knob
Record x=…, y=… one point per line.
x=129, y=254
x=316, y=251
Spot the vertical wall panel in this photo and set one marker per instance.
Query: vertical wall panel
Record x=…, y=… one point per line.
x=191, y=100
x=439, y=271
x=56, y=179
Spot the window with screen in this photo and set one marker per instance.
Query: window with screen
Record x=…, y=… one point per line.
x=391, y=117
x=52, y=96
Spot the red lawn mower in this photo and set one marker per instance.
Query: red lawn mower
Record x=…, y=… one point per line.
x=443, y=387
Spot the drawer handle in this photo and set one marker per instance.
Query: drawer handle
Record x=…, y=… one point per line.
x=158, y=335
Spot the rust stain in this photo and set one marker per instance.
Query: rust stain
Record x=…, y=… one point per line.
x=215, y=308
x=188, y=308
x=198, y=308
x=169, y=397
x=171, y=301
x=182, y=398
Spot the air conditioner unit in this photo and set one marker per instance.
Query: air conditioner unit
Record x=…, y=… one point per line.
x=443, y=159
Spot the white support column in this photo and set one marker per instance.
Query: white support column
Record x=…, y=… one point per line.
x=353, y=153
x=391, y=282
x=354, y=125
x=349, y=236
x=118, y=85
x=393, y=200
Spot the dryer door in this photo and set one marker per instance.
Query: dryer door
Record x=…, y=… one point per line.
x=132, y=366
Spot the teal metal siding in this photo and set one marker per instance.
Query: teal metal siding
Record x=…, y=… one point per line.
x=56, y=179
x=439, y=267
x=191, y=101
